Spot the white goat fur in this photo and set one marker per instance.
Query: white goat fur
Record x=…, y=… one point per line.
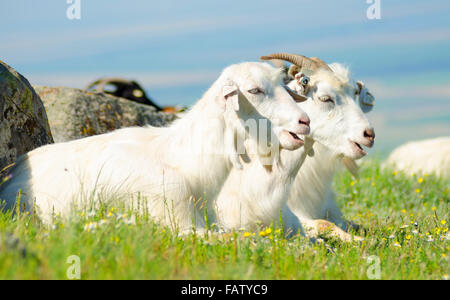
x=245, y=202
x=168, y=167
x=312, y=198
x=431, y=156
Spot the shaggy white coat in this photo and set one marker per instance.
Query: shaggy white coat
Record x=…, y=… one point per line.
x=312, y=198
x=257, y=195
x=174, y=170
x=431, y=156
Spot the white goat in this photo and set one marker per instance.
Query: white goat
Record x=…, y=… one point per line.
x=431, y=156
x=312, y=198
x=171, y=168
x=336, y=120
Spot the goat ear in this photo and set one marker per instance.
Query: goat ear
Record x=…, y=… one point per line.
x=360, y=85
x=366, y=99
x=230, y=93
x=293, y=70
x=231, y=148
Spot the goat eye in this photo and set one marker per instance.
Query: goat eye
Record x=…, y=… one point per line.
x=256, y=91
x=326, y=99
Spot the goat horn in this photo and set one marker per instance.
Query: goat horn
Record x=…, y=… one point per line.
x=303, y=62
x=297, y=97
x=321, y=63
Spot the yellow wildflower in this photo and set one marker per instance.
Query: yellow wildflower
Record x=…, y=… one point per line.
x=420, y=180
x=443, y=222
x=417, y=191
x=263, y=233
x=433, y=208
x=247, y=234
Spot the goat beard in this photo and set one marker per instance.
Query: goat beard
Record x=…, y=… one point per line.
x=350, y=165
x=239, y=146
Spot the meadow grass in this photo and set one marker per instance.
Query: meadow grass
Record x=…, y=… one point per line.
x=405, y=217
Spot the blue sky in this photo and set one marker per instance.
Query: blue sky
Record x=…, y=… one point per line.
x=176, y=49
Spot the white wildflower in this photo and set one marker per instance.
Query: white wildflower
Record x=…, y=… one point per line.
x=131, y=220
x=90, y=226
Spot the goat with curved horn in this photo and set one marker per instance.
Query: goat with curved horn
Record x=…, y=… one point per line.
x=312, y=64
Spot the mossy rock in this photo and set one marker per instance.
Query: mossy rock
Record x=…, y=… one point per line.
x=75, y=113
x=23, y=120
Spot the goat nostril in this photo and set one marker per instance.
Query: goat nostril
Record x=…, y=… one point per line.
x=370, y=134
x=304, y=121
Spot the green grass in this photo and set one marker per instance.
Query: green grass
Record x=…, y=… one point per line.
x=120, y=247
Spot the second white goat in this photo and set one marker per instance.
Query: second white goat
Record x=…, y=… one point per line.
x=336, y=121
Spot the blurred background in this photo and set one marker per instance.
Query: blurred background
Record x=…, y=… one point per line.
x=176, y=49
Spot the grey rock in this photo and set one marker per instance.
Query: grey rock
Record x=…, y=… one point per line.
x=75, y=113
x=23, y=121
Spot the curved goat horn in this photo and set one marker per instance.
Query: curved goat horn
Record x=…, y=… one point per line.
x=295, y=96
x=303, y=62
x=321, y=63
